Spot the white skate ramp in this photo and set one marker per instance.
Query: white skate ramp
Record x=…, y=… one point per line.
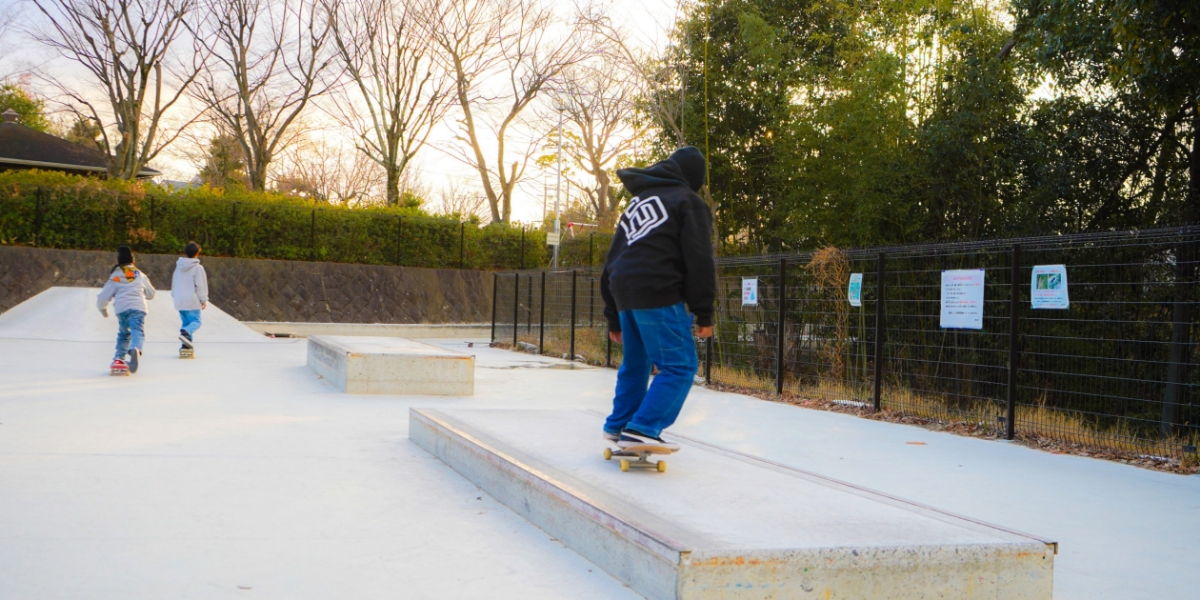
x=717, y=525
x=69, y=314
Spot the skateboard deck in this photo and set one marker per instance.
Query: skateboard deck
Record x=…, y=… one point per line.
x=187, y=353
x=639, y=458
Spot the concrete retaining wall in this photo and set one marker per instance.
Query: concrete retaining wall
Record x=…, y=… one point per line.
x=272, y=290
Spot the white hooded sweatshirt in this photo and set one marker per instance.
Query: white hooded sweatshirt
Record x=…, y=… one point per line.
x=127, y=288
x=189, y=284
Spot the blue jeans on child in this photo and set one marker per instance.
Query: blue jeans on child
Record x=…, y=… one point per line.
x=662, y=337
x=191, y=321
x=129, y=332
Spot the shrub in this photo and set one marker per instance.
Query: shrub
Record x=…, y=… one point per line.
x=57, y=210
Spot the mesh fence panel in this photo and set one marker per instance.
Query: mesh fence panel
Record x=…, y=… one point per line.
x=1116, y=369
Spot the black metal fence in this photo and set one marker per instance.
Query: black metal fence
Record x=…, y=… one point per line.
x=1112, y=370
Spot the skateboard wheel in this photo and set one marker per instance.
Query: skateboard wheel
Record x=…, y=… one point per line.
x=607, y=454
x=661, y=466
x=624, y=465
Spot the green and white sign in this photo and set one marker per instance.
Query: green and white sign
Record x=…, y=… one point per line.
x=854, y=292
x=1048, y=287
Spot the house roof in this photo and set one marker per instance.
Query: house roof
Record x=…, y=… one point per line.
x=25, y=148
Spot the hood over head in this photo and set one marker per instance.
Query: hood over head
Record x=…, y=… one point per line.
x=184, y=263
x=691, y=162
x=684, y=167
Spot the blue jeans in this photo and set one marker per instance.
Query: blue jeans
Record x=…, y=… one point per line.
x=191, y=321
x=129, y=332
x=662, y=337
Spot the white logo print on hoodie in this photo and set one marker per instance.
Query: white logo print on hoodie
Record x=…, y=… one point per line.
x=642, y=217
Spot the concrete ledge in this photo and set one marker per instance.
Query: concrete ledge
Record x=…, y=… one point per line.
x=403, y=330
x=386, y=365
x=719, y=524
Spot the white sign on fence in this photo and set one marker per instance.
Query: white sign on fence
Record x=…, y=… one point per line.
x=1048, y=287
x=962, y=299
x=749, y=291
x=854, y=293
x=551, y=239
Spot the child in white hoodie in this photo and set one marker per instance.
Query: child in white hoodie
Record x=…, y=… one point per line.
x=189, y=290
x=128, y=289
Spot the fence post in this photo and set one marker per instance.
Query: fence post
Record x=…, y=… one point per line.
x=516, y=305
x=495, y=288
x=1175, y=393
x=574, y=278
x=880, y=329
x=782, y=326
x=1014, y=314
x=708, y=344
x=232, y=224
x=529, y=307
x=312, y=236
x=542, y=319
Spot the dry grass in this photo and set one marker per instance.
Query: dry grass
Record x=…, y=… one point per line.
x=1040, y=426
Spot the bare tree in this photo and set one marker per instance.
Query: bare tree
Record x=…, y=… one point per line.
x=598, y=99
x=125, y=45
x=519, y=42
x=388, y=60
x=325, y=172
x=268, y=61
x=455, y=198
x=658, y=77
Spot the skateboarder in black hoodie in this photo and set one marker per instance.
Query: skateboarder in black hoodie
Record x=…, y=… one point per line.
x=660, y=266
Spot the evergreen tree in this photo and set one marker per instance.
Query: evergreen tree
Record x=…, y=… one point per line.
x=31, y=108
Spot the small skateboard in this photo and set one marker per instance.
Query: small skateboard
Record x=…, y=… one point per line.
x=187, y=353
x=641, y=458
x=119, y=371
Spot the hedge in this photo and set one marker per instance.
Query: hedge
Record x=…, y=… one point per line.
x=56, y=210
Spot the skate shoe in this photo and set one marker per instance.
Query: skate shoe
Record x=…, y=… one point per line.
x=186, y=338
x=118, y=367
x=611, y=437
x=134, y=354
x=634, y=441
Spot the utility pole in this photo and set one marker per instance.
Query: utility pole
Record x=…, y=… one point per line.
x=558, y=186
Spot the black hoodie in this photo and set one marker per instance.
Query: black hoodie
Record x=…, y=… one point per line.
x=662, y=251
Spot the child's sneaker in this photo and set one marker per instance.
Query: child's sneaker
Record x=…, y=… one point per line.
x=134, y=353
x=612, y=437
x=186, y=338
x=634, y=441
x=118, y=367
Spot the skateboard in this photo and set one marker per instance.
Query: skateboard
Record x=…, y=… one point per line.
x=641, y=458
x=121, y=371
x=187, y=353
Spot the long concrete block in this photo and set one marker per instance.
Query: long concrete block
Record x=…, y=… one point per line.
x=462, y=331
x=387, y=365
x=722, y=525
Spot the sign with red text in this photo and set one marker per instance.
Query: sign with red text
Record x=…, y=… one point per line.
x=962, y=299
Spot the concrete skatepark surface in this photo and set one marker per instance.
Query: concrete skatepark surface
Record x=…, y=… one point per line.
x=69, y=314
x=242, y=474
x=727, y=526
